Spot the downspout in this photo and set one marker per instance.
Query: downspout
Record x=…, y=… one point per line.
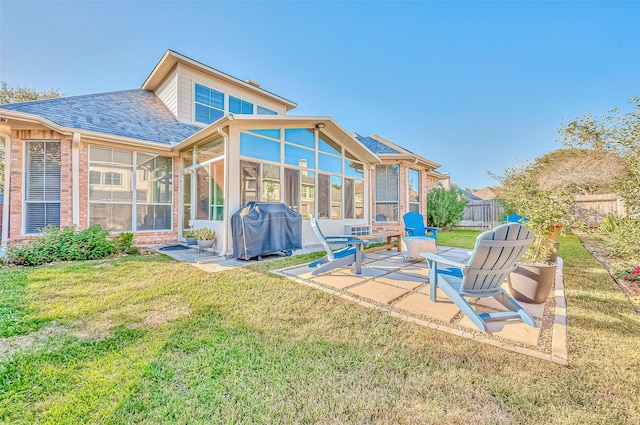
x=227, y=242
x=75, y=178
x=6, y=141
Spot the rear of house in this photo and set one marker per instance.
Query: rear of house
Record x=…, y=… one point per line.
x=187, y=150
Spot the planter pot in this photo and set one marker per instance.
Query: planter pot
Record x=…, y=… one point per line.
x=206, y=244
x=532, y=283
x=191, y=241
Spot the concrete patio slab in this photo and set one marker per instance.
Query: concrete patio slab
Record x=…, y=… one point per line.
x=379, y=292
x=338, y=281
x=421, y=305
x=513, y=330
x=401, y=280
x=401, y=290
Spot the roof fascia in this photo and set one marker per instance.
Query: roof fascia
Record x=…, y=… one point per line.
x=171, y=58
x=417, y=159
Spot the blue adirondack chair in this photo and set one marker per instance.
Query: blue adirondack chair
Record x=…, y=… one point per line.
x=515, y=218
x=493, y=258
x=352, y=253
x=414, y=226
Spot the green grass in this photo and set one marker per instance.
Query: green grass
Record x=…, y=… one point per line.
x=458, y=238
x=149, y=340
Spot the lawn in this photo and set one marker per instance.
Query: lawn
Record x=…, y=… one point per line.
x=145, y=339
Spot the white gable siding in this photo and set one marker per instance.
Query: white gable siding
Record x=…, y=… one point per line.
x=168, y=92
x=188, y=77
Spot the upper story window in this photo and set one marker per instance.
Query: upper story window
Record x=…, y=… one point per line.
x=209, y=104
x=414, y=190
x=265, y=111
x=239, y=106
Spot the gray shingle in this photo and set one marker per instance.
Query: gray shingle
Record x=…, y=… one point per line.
x=138, y=114
x=375, y=146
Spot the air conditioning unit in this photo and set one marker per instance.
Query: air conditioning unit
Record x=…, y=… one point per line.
x=357, y=230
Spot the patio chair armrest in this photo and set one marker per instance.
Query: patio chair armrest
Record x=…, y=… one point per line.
x=441, y=260
x=343, y=239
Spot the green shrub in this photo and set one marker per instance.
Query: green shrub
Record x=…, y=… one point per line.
x=622, y=235
x=62, y=244
x=204, y=234
x=124, y=244
x=444, y=207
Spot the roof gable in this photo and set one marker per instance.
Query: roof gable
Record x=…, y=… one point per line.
x=137, y=114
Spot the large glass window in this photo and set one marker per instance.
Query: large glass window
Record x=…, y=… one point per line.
x=209, y=104
x=307, y=194
x=324, y=197
x=387, y=189
x=42, y=185
x=187, y=161
x=353, y=198
x=292, y=189
x=154, y=191
x=239, y=106
x=295, y=155
x=120, y=193
x=414, y=190
x=258, y=147
x=264, y=111
x=270, y=183
x=336, y=197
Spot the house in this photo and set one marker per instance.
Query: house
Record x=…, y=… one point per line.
x=486, y=193
x=187, y=150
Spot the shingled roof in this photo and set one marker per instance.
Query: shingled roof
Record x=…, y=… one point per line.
x=376, y=146
x=137, y=114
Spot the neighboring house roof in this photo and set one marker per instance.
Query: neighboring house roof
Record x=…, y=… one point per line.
x=171, y=58
x=389, y=150
x=485, y=193
x=470, y=196
x=137, y=114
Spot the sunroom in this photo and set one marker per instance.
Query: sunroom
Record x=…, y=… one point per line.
x=311, y=164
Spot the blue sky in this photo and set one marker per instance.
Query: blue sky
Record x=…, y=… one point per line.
x=473, y=86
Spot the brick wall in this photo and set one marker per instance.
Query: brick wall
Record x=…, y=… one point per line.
x=19, y=137
x=427, y=183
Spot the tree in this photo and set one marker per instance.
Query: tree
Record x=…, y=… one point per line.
x=617, y=134
x=578, y=171
x=15, y=94
x=444, y=207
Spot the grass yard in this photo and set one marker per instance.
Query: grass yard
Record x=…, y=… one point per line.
x=149, y=340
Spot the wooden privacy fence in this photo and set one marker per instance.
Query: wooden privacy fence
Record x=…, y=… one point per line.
x=481, y=214
x=592, y=209
x=589, y=209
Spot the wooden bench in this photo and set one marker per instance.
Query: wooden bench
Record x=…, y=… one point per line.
x=390, y=236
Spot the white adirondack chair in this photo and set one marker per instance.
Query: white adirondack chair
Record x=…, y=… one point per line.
x=493, y=258
x=351, y=253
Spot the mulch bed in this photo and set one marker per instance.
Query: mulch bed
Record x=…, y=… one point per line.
x=630, y=289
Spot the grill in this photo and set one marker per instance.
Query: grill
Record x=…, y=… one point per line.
x=262, y=228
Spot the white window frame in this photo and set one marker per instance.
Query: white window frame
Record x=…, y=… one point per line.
x=24, y=183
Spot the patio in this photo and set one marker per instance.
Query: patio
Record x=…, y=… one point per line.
x=401, y=289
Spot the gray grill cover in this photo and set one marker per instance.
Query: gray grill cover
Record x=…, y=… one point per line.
x=261, y=228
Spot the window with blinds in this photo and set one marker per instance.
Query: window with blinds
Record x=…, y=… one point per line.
x=387, y=192
x=42, y=185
